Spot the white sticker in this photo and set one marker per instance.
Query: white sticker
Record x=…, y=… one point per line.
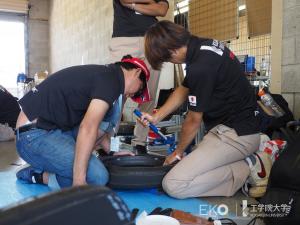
x=192, y=100
x=115, y=144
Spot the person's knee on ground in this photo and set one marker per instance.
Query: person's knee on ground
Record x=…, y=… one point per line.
x=221, y=181
x=174, y=187
x=170, y=186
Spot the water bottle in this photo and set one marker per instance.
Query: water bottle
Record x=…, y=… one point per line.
x=268, y=101
x=21, y=78
x=263, y=67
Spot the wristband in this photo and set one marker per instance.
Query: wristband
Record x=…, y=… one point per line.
x=177, y=156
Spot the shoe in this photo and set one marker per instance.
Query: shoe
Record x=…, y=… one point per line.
x=245, y=188
x=259, y=174
x=257, y=192
x=30, y=175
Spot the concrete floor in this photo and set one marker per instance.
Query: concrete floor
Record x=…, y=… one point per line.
x=9, y=160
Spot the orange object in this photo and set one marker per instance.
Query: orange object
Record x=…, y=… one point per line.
x=261, y=92
x=189, y=219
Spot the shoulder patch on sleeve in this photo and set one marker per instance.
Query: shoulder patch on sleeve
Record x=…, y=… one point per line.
x=192, y=100
x=212, y=48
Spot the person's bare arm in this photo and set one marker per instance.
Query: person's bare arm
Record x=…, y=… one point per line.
x=188, y=132
x=86, y=139
x=151, y=9
x=175, y=100
x=103, y=141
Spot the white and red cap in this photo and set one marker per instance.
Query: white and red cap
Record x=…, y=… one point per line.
x=145, y=96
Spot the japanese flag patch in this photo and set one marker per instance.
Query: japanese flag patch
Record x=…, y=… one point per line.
x=192, y=100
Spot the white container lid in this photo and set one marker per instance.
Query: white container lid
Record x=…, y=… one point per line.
x=157, y=220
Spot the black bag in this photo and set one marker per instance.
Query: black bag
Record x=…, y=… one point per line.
x=284, y=187
x=92, y=205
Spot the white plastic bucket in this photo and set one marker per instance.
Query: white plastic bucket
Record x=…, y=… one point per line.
x=157, y=220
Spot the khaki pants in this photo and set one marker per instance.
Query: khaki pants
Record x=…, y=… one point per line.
x=215, y=168
x=134, y=46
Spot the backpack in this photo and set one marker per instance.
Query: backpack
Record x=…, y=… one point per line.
x=283, y=191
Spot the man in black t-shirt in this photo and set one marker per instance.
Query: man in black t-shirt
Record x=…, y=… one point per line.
x=220, y=95
x=132, y=18
x=58, y=126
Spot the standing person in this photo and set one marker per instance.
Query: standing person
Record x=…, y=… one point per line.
x=220, y=95
x=132, y=18
x=58, y=126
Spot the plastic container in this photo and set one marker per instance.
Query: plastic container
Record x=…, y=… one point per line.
x=250, y=64
x=157, y=220
x=21, y=79
x=263, y=67
x=268, y=101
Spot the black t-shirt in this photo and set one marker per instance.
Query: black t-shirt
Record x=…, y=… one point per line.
x=62, y=100
x=218, y=87
x=128, y=23
x=9, y=108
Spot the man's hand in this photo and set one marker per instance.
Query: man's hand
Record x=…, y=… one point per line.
x=79, y=182
x=172, y=158
x=147, y=7
x=146, y=118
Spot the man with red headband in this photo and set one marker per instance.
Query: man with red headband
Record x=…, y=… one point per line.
x=71, y=112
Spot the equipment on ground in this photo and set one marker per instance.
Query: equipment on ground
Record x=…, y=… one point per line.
x=135, y=172
x=92, y=205
x=166, y=140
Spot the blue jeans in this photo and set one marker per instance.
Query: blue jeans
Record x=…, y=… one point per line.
x=53, y=151
x=112, y=118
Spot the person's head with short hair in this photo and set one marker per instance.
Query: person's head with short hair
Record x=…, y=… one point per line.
x=136, y=75
x=166, y=42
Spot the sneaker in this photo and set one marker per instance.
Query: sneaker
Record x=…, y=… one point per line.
x=30, y=175
x=245, y=188
x=259, y=174
x=257, y=192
